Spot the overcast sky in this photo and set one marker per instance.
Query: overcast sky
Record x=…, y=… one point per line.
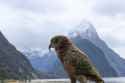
x=29, y=23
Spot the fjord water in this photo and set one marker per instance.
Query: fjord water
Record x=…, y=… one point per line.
x=107, y=80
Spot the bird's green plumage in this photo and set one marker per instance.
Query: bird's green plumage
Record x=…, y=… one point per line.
x=85, y=68
x=74, y=60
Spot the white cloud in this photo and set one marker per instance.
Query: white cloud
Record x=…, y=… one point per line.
x=36, y=5
x=120, y=51
x=109, y=20
x=34, y=21
x=109, y=7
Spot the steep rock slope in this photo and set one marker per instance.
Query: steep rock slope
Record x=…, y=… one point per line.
x=13, y=64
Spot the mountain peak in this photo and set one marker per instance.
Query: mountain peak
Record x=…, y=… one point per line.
x=84, y=30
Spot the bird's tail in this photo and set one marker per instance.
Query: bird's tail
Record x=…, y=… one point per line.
x=100, y=81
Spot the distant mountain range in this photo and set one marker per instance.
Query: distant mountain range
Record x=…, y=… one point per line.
x=48, y=64
x=109, y=63
x=13, y=64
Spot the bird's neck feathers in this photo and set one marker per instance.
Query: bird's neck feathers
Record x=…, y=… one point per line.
x=63, y=48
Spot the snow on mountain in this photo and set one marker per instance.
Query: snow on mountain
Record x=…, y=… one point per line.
x=37, y=52
x=84, y=30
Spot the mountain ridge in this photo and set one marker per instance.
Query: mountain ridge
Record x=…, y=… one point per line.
x=13, y=64
x=112, y=56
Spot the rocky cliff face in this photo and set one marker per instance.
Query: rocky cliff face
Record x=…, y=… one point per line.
x=13, y=64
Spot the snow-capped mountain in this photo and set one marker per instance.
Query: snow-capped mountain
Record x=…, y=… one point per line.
x=87, y=31
x=37, y=52
x=84, y=30
x=86, y=38
x=46, y=62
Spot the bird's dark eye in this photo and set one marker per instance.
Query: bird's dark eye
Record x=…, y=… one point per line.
x=55, y=40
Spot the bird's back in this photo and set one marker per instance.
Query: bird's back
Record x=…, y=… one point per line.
x=81, y=63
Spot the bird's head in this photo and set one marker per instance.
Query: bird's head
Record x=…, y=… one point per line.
x=59, y=42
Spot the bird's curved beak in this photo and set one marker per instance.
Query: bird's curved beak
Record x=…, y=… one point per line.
x=50, y=46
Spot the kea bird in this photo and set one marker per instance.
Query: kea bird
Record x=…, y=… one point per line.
x=75, y=62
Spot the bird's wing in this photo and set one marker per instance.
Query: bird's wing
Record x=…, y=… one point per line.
x=84, y=65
